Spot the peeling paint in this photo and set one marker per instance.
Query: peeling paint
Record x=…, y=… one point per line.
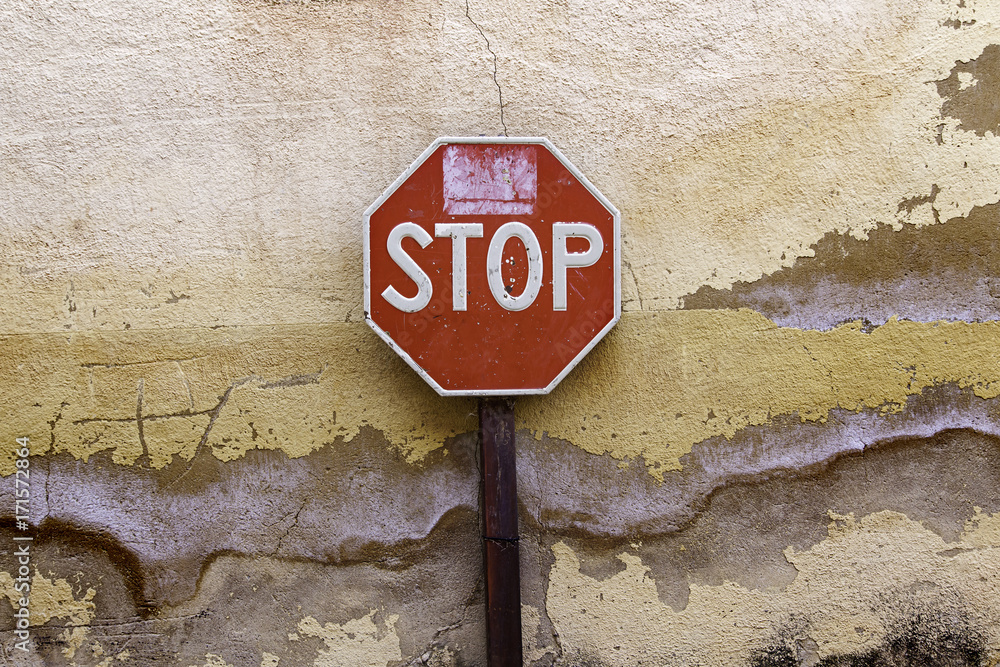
x=721, y=180
x=848, y=591
x=972, y=90
x=224, y=391
x=357, y=643
x=568, y=491
x=532, y=650
x=945, y=271
x=226, y=454
x=54, y=598
x=431, y=587
x=775, y=152
x=749, y=199
x=709, y=373
x=354, y=502
x=699, y=374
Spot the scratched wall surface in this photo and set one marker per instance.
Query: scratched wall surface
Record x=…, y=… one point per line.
x=785, y=454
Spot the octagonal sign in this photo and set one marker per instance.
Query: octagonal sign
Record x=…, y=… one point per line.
x=492, y=266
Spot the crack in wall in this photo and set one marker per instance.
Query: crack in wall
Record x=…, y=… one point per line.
x=144, y=459
x=126, y=364
x=495, y=67
x=635, y=283
x=295, y=522
x=48, y=476
x=208, y=429
x=425, y=657
x=187, y=384
x=295, y=380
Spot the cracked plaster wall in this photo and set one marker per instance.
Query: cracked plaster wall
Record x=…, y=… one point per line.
x=785, y=454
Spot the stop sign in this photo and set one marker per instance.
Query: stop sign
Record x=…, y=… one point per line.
x=492, y=266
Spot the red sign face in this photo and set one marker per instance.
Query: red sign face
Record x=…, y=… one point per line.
x=492, y=266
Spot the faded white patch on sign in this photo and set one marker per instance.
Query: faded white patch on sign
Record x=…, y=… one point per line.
x=489, y=180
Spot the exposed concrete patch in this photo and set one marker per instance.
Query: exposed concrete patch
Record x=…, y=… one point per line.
x=54, y=599
x=121, y=656
x=738, y=531
x=432, y=602
x=717, y=186
x=354, y=500
x=533, y=651
x=81, y=581
x=51, y=599
x=848, y=590
x=361, y=499
x=739, y=535
x=728, y=181
x=178, y=166
x=601, y=499
x=96, y=557
x=434, y=589
x=947, y=271
x=357, y=501
x=972, y=92
x=742, y=545
x=725, y=134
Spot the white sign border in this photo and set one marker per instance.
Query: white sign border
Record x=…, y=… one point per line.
x=366, y=253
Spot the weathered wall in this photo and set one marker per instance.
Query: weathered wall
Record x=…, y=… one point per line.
x=785, y=454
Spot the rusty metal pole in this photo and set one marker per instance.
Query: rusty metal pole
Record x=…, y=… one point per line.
x=500, y=550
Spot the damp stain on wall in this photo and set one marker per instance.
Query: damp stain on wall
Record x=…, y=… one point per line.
x=163, y=360
x=286, y=561
x=939, y=639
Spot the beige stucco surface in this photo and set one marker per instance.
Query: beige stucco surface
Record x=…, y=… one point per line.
x=809, y=196
x=750, y=147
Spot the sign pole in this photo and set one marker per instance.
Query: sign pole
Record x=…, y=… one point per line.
x=500, y=539
x=476, y=314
